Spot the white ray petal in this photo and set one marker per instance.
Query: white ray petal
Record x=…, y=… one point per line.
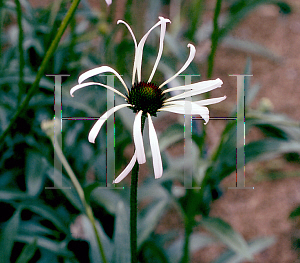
x=161, y=45
x=97, y=126
x=130, y=31
x=126, y=171
x=137, y=66
x=79, y=86
x=209, y=101
x=197, y=85
x=156, y=157
x=197, y=88
x=108, y=2
x=99, y=70
x=189, y=108
x=138, y=138
x=186, y=64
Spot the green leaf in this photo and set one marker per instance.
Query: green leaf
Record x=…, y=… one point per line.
x=254, y=247
x=7, y=195
x=197, y=241
x=59, y=248
x=170, y=136
x=89, y=189
x=107, y=198
x=251, y=47
x=44, y=83
x=152, y=252
x=48, y=213
x=35, y=170
x=194, y=14
x=121, y=239
x=240, y=9
x=227, y=235
x=34, y=228
x=148, y=222
x=284, y=8
x=8, y=236
x=295, y=213
x=153, y=189
x=269, y=148
x=68, y=189
x=89, y=235
x=27, y=252
x=251, y=94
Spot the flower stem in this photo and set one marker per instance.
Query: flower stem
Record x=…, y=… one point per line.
x=21, y=53
x=133, y=206
x=1, y=23
x=133, y=212
x=186, y=251
x=214, y=39
x=43, y=66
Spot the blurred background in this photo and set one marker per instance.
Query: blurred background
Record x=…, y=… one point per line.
x=209, y=224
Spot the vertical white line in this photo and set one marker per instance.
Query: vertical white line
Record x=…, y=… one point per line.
x=240, y=134
x=57, y=132
x=188, y=169
x=57, y=177
x=110, y=130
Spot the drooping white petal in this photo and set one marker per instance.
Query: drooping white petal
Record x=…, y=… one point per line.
x=108, y=2
x=156, y=157
x=198, y=88
x=138, y=138
x=186, y=64
x=126, y=171
x=130, y=31
x=137, y=66
x=197, y=85
x=161, y=45
x=99, y=70
x=97, y=126
x=189, y=108
x=79, y=86
x=210, y=101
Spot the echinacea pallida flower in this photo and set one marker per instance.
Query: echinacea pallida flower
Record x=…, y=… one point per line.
x=147, y=98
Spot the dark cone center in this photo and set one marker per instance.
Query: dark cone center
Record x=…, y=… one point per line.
x=146, y=97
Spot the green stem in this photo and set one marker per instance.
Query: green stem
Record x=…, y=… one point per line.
x=87, y=207
x=21, y=53
x=43, y=66
x=187, y=234
x=133, y=207
x=133, y=212
x=1, y=23
x=214, y=39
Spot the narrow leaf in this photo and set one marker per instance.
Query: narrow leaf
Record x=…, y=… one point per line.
x=255, y=247
x=27, y=252
x=8, y=235
x=197, y=241
x=227, y=235
x=35, y=170
x=148, y=222
x=121, y=237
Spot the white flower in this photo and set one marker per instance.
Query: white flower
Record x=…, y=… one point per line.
x=146, y=98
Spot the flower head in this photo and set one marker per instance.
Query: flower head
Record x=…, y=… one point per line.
x=147, y=98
